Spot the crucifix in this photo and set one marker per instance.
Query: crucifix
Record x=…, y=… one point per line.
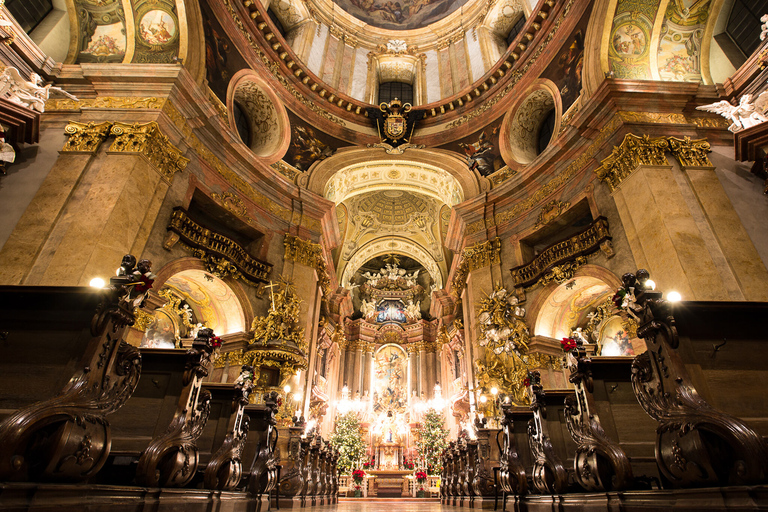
x=272, y=293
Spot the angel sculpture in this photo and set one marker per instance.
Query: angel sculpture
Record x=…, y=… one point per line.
x=30, y=94
x=745, y=115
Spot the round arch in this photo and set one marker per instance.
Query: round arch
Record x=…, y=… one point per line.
x=188, y=273
x=446, y=165
x=561, y=306
x=390, y=245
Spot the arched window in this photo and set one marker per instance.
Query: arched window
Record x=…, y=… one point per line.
x=29, y=13
x=516, y=28
x=391, y=90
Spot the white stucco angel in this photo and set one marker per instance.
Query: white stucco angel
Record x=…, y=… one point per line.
x=7, y=153
x=31, y=94
x=368, y=308
x=413, y=310
x=744, y=115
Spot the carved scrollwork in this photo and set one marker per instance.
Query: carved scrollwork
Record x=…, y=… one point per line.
x=225, y=469
x=67, y=438
x=512, y=477
x=549, y=476
x=600, y=464
x=171, y=459
x=483, y=482
x=264, y=468
x=292, y=477
x=696, y=444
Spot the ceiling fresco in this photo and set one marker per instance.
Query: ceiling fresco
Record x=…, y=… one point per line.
x=481, y=149
x=400, y=14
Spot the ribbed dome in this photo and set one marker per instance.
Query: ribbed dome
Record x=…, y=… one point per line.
x=393, y=207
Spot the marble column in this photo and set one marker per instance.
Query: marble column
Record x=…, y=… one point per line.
x=367, y=362
x=413, y=359
x=342, y=376
x=423, y=371
x=357, y=370
x=432, y=379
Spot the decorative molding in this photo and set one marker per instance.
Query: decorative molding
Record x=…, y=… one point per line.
x=286, y=170
x=106, y=103
x=567, y=251
x=302, y=251
x=562, y=273
x=249, y=190
x=550, y=212
x=632, y=152
x=643, y=150
x=222, y=256
x=147, y=139
x=85, y=137
x=479, y=255
x=512, y=477
x=274, y=68
x=143, y=320
x=500, y=176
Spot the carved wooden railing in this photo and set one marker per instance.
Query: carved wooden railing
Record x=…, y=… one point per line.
x=263, y=478
x=171, y=458
x=696, y=444
x=214, y=245
x=483, y=482
x=600, y=464
x=292, y=477
x=549, y=476
x=581, y=244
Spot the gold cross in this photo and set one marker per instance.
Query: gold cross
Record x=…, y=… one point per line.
x=272, y=293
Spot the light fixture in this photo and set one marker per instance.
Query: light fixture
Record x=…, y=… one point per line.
x=649, y=283
x=287, y=388
x=494, y=391
x=674, y=297
x=483, y=399
x=97, y=282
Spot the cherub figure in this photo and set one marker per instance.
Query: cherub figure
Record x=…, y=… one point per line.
x=30, y=94
x=744, y=115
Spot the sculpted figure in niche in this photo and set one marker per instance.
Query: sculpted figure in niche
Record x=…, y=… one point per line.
x=30, y=94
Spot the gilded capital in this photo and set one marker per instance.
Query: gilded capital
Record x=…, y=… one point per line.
x=147, y=139
x=690, y=153
x=85, y=137
x=301, y=251
x=479, y=255
x=627, y=156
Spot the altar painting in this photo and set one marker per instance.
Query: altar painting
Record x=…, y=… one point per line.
x=390, y=380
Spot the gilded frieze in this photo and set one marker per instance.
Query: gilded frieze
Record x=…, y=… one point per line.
x=85, y=137
x=146, y=139
x=551, y=211
x=105, y=102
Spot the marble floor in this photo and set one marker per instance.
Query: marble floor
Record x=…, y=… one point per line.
x=387, y=505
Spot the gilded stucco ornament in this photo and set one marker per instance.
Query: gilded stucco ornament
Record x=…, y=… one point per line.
x=308, y=254
x=551, y=211
x=562, y=273
x=85, y=137
x=147, y=139
x=502, y=328
x=143, y=320
x=479, y=255
x=280, y=325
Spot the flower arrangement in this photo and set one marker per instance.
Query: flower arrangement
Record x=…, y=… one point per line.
x=407, y=464
x=358, y=475
x=370, y=463
x=421, y=477
x=568, y=344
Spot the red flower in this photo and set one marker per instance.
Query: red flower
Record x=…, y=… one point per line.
x=568, y=344
x=146, y=283
x=527, y=381
x=215, y=341
x=421, y=476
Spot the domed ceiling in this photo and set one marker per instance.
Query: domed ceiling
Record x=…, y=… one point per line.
x=400, y=14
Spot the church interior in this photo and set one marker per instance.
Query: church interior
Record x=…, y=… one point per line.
x=493, y=254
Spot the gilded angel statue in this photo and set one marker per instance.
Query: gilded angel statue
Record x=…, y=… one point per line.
x=30, y=94
x=744, y=115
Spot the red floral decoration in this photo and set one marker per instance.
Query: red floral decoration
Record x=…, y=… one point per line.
x=527, y=381
x=421, y=476
x=618, y=298
x=215, y=341
x=358, y=475
x=146, y=283
x=568, y=344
